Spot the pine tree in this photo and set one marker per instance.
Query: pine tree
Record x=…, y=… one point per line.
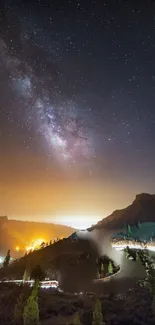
x=42, y=245
x=34, y=292
x=76, y=320
x=26, y=275
x=37, y=273
x=110, y=268
x=137, y=256
x=7, y=259
x=97, y=314
x=129, y=230
x=18, y=311
x=102, y=270
x=139, y=225
x=31, y=312
x=148, y=263
x=97, y=273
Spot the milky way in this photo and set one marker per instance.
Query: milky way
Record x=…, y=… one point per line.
x=67, y=136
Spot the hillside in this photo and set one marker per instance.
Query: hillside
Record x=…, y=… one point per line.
x=142, y=209
x=65, y=260
x=15, y=233
x=131, y=308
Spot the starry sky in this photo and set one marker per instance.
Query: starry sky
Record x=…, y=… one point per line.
x=77, y=107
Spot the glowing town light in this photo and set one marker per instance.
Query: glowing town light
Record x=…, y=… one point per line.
x=80, y=222
x=17, y=249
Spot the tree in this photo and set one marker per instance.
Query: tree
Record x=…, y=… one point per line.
x=138, y=225
x=34, y=292
x=110, y=268
x=97, y=273
x=102, y=270
x=76, y=320
x=37, y=273
x=131, y=253
x=18, y=311
x=42, y=245
x=148, y=263
x=7, y=259
x=31, y=312
x=26, y=275
x=97, y=314
x=129, y=230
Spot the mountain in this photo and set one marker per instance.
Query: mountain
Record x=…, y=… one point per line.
x=71, y=261
x=15, y=233
x=142, y=209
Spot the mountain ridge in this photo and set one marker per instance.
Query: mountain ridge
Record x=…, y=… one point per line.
x=21, y=233
x=142, y=209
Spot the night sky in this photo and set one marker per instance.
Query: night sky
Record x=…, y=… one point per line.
x=77, y=107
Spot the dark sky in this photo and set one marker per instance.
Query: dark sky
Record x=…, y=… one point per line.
x=77, y=106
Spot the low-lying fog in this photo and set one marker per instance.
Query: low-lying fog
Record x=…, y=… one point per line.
x=130, y=271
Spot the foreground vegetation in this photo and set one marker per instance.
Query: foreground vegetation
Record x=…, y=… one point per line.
x=137, y=306
x=22, y=305
x=132, y=308
x=105, y=267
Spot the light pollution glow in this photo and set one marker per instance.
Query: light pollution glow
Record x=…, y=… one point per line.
x=77, y=222
x=77, y=204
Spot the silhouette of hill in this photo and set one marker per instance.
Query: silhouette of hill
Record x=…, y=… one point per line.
x=142, y=209
x=21, y=233
x=65, y=260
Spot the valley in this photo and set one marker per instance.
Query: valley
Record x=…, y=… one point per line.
x=88, y=265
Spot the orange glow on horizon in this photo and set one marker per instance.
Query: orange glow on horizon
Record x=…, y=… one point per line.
x=97, y=199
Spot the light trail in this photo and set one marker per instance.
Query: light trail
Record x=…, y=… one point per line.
x=134, y=246
x=43, y=284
